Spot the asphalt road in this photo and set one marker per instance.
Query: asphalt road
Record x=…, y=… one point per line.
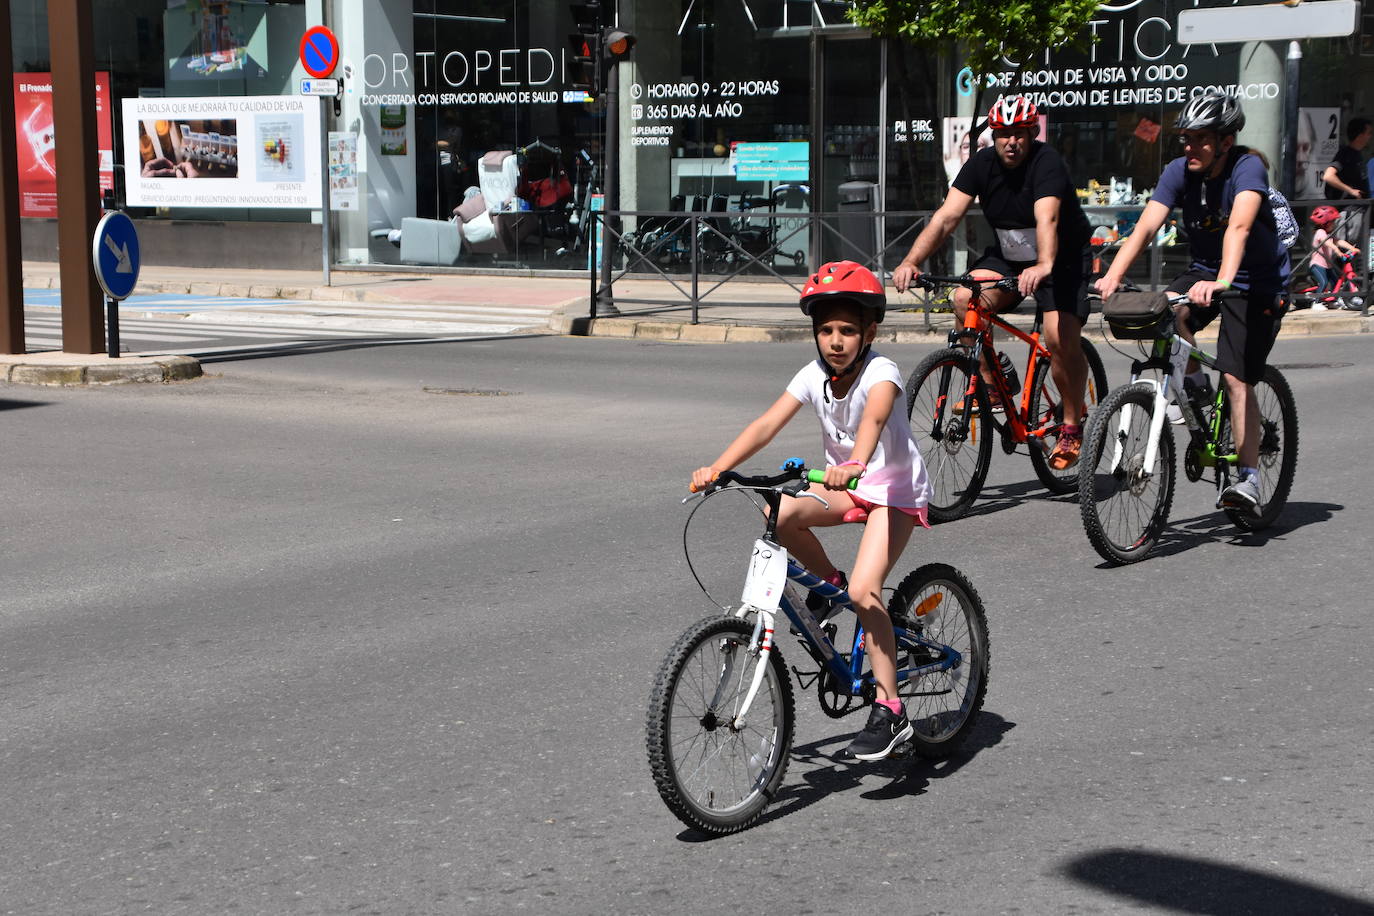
x=371, y=630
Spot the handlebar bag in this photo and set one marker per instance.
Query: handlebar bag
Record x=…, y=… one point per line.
x=1138, y=315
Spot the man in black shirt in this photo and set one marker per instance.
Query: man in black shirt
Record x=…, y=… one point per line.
x=1346, y=176
x=1042, y=235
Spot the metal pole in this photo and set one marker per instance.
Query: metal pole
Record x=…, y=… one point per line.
x=610, y=187
x=1289, y=142
x=881, y=203
x=11, y=254
x=591, y=254
x=326, y=242
x=112, y=326
x=696, y=269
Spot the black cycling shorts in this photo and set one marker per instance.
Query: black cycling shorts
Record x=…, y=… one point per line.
x=1249, y=326
x=1067, y=289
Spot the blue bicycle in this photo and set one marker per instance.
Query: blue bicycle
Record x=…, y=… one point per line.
x=721, y=713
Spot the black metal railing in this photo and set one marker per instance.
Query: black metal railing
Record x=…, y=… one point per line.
x=696, y=254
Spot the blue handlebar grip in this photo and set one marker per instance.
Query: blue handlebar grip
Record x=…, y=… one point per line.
x=816, y=475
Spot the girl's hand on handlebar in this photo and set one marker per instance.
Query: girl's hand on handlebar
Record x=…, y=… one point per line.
x=702, y=478
x=837, y=477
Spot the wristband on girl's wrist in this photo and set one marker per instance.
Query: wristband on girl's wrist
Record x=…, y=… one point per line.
x=853, y=464
x=1224, y=284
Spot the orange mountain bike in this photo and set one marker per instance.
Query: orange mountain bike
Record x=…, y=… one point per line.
x=954, y=414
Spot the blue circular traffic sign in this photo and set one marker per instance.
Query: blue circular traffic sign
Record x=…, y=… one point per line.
x=114, y=252
x=319, y=51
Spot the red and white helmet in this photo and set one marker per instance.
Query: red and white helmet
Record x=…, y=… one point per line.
x=1324, y=216
x=845, y=280
x=1013, y=111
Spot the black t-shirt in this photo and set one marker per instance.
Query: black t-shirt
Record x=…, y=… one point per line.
x=1008, y=199
x=1349, y=166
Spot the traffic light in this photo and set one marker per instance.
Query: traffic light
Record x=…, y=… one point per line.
x=616, y=45
x=584, y=63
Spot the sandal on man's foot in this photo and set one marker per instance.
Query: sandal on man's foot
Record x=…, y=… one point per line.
x=1066, y=450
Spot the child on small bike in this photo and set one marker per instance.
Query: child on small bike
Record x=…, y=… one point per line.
x=855, y=393
x=1330, y=256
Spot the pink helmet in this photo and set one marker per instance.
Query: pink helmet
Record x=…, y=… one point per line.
x=1324, y=216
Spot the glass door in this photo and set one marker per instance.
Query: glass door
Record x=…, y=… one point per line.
x=849, y=138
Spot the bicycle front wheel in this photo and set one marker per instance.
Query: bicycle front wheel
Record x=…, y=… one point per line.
x=938, y=605
x=953, y=434
x=1047, y=415
x=1278, y=448
x=715, y=771
x=1125, y=505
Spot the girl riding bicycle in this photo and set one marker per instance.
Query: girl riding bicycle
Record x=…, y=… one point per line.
x=1330, y=256
x=853, y=391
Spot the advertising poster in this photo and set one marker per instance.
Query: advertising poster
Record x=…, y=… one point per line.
x=227, y=151
x=35, y=145
x=343, y=170
x=1319, y=136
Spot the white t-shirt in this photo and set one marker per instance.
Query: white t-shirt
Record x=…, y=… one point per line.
x=896, y=475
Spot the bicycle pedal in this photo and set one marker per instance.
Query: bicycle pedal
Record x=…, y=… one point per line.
x=905, y=749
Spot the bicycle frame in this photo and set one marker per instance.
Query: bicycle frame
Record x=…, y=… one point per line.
x=848, y=675
x=771, y=596
x=1168, y=357
x=979, y=322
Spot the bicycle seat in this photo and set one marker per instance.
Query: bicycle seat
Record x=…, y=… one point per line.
x=856, y=515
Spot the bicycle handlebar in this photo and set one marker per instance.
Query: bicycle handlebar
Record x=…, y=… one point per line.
x=768, y=482
x=974, y=284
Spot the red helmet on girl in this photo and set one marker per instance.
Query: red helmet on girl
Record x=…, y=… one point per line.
x=1013, y=111
x=1324, y=216
x=845, y=280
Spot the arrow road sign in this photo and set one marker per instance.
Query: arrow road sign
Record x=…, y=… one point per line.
x=114, y=252
x=319, y=51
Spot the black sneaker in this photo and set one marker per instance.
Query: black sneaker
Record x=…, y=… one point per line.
x=884, y=731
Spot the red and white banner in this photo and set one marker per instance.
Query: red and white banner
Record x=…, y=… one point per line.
x=37, y=146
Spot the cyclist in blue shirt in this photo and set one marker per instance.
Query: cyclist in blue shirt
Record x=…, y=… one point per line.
x=1222, y=190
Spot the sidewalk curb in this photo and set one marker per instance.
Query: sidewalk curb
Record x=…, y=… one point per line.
x=74, y=370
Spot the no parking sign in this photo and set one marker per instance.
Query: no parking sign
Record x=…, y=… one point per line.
x=319, y=51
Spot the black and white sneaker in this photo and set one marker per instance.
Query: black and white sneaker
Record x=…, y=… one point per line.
x=884, y=731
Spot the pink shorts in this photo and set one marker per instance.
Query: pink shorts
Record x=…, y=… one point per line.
x=918, y=514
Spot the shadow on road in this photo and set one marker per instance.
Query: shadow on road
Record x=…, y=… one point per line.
x=1000, y=497
x=7, y=404
x=1185, y=534
x=905, y=776
x=316, y=347
x=1188, y=885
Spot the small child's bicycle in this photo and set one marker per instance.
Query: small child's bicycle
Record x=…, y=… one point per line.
x=953, y=411
x=720, y=721
x=1127, y=472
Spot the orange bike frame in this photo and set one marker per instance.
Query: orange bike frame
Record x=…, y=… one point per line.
x=978, y=323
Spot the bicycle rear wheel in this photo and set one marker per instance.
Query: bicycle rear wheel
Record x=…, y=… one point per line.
x=1278, y=448
x=1047, y=413
x=716, y=774
x=1124, y=508
x=954, y=438
x=942, y=706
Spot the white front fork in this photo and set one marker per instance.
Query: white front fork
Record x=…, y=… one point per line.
x=1157, y=418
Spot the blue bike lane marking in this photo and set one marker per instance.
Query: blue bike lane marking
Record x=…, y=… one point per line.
x=160, y=302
